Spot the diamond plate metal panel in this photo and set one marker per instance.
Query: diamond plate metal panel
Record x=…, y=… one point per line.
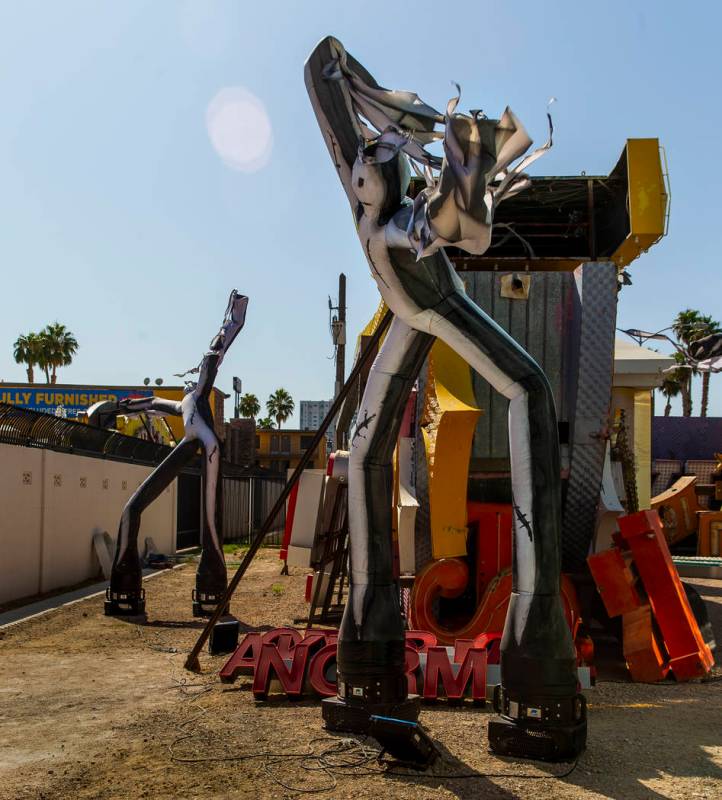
x=590, y=382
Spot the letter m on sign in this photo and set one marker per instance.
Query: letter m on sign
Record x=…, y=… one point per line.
x=455, y=677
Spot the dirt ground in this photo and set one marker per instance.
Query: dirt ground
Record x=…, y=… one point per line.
x=96, y=707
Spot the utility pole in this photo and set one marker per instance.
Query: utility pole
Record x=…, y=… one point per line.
x=338, y=335
x=341, y=339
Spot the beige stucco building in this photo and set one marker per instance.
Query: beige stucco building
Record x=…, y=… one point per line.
x=637, y=372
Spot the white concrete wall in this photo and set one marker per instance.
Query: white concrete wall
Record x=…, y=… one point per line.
x=21, y=492
x=50, y=506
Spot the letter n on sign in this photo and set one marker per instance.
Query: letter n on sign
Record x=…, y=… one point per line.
x=291, y=678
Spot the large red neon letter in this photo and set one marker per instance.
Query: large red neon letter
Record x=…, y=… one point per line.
x=412, y=664
x=285, y=640
x=243, y=660
x=291, y=679
x=472, y=668
x=318, y=669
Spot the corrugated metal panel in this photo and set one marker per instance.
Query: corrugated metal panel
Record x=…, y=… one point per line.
x=246, y=504
x=567, y=324
x=538, y=324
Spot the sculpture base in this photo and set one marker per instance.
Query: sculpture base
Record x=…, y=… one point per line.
x=124, y=604
x=542, y=728
x=526, y=740
x=340, y=715
x=205, y=604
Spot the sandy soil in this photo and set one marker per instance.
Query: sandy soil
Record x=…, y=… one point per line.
x=89, y=707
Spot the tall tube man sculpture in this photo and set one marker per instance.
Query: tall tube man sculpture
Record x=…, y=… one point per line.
x=125, y=593
x=373, y=136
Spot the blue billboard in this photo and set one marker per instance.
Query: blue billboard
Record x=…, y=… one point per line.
x=64, y=401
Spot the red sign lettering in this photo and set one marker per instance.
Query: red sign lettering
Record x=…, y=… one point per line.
x=306, y=662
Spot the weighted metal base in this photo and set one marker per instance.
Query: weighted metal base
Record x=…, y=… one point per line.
x=124, y=604
x=527, y=740
x=543, y=728
x=205, y=604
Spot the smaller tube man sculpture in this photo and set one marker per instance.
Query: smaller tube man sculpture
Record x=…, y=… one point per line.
x=125, y=595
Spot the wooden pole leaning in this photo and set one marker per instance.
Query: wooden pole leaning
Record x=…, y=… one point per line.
x=192, y=663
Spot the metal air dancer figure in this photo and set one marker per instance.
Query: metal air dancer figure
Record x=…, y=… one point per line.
x=125, y=594
x=374, y=135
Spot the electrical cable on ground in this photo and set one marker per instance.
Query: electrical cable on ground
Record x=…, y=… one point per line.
x=344, y=757
x=339, y=758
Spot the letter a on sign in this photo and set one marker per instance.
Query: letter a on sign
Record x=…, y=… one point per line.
x=243, y=661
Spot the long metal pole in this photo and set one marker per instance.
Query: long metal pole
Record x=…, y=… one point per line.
x=192, y=662
x=341, y=346
x=340, y=350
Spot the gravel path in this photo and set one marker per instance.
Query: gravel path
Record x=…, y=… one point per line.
x=90, y=707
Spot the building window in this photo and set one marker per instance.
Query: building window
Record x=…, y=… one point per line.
x=306, y=442
x=258, y=442
x=275, y=443
x=285, y=444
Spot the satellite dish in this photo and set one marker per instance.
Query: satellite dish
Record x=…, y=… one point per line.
x=146, y=381
x=159, y=381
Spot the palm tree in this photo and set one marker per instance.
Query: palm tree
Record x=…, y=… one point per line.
x=60, y=346
x=671, y=387
x=280, y=406
x=27, y=350
x=707, y=327
x=265, y=424
x=249, y=406
x=683, y=377
x=686, y=326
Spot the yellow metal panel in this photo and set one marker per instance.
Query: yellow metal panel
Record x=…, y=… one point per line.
x=450, y=419
x=643, y=446
x=374, y=322
x=176, y=423
x=647, y=199
x=371, y=326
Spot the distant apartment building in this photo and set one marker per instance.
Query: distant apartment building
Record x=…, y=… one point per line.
x=313, y=412
x=281, y=450
x=275, y=450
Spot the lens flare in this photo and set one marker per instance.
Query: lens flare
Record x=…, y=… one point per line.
x=239, y=129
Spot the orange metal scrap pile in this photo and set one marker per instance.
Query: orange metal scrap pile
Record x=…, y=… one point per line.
x=659, y=629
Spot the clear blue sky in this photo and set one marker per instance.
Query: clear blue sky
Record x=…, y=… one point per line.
x=119, y=218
